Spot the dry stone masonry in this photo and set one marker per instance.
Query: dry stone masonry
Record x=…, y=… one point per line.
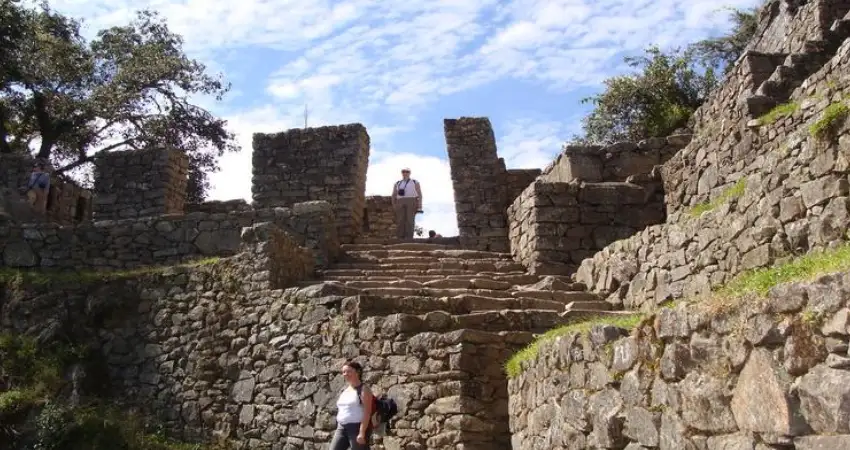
x=140, y=183
x=67, y=202
x=326, y=163
x=133, y=243
x=478, y=178
x=773, y=374
x=249, y=346
x=780, y=191
x=379, y=218
x=555, y=226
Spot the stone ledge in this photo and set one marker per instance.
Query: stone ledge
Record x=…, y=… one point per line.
x=769, y=368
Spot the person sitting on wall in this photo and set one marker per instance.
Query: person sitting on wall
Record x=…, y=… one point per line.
x=433, y=235
x=407, y=201
x=38, y=187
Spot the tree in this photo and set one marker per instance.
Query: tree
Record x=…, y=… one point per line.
x=653, y=101
x=127, y=89
x=726, y=49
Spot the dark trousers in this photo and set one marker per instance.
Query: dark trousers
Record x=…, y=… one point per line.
x=346, y=437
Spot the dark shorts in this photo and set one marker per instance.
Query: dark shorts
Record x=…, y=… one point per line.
x=346, y=437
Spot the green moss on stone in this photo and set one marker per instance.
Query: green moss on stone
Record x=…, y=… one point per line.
x=831, y=117
x=734, y=191
x=779, y=112
x=513, y=367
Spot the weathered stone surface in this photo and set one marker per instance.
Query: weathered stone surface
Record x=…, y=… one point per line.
x=762, y=401
x=825, y=399
x=315, y=164
x=140, y=183
x=146, y=241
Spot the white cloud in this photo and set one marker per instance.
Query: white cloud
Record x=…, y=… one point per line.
x=381, y=62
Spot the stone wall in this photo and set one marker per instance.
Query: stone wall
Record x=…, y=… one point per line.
x=794, y=199
x=771, y=375
x=555, y=226
x=615, y=162
x=224, y=349
x=160, y=240
x=379, y=218
x=519, y=179
x=219, y=206
x=790, y=26
x=140, y=183
x=326, y=163
x=727, y=105
x=478, y=178
x=67, y=202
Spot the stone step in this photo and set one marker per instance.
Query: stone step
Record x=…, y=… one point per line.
x=368, y=305
x=473, y=283
x=530, y=320
x=403, y=273
x=424, y=260
x=478, y=266
x=418, y=246
x=433, y=292
x=463, y=254
x=515, y=278
x=562, y=296
x=451, y=241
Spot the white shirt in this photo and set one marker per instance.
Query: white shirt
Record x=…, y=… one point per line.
x=409, y=187
x=349, y=409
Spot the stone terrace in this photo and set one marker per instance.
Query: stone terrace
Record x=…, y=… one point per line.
x=480, y=306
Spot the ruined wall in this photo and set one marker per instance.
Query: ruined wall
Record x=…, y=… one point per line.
x=379, y=218
x=555, y=226
x=67, y=202
x=778, y=191
x=160, y=240
x=767, y=376
x=219, y=206
x=224, y=349
x=140, y=183
x=478, y=178
x=326, y=163
x=519, y=179
x=788, y=26
x=615, y=162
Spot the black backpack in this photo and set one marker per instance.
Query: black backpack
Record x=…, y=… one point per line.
x=384, y=406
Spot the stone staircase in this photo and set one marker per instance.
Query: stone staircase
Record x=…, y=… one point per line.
x=477, y=307
x=480, y=290
x=796, y=68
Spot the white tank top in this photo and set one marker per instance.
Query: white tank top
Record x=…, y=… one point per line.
x=409, y=187
x=349, y=409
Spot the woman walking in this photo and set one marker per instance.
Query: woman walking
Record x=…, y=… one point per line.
x=354, y=411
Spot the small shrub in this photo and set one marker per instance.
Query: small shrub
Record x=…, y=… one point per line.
x=832, y=116
x=779, y=112
x=513, y=367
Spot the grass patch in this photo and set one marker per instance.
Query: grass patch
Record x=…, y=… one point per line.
x=805, y=267
x=755, y=284
x=46, y=277
x=734, y=191
x=513, y=367
x=779, y=112
x=832, y=115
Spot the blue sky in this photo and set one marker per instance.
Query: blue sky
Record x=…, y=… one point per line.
x=401, y=67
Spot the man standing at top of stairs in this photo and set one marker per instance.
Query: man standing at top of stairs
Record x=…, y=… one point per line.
x=407, y=201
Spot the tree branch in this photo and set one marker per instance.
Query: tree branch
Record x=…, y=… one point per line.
x=4, y=133
x=84, y=159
